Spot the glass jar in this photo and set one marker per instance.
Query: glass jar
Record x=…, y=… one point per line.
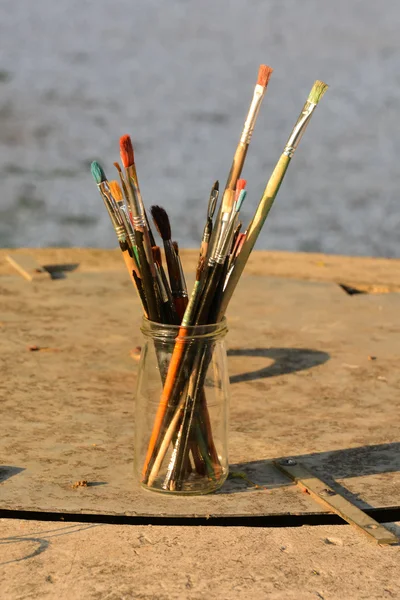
x=182, y=405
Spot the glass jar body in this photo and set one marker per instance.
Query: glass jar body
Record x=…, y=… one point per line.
x=182, y=408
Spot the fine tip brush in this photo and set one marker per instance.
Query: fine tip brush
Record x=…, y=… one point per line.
x=175, y=272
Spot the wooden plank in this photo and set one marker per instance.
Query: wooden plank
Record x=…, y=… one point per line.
x=325, y=495
x=27, y=266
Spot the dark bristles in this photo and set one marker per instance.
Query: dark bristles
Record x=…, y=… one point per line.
x=264, y=74
x=97, y=172
x=161, y=221
x=126, y=151
x=157, y=255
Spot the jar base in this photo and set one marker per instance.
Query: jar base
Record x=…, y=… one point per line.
x=194, y=486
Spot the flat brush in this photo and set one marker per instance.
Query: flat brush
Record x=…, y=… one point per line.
x=318, y=90
x=178, y=285
x=264, y=74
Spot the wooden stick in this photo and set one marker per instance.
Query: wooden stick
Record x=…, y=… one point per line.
x=325, y=495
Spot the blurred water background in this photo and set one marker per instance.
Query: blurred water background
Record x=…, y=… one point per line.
x=178, y=76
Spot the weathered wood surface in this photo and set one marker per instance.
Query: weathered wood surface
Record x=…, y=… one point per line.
x=304, y=380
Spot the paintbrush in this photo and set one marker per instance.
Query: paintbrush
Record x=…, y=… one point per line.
x=119, y=227
x=158, y=261
x=318, y=90
x=176, y=278
x=119, y=200
x=125, y=190
x=128, y=160
x=212, y=203
x=217, y=268
x=228, y=198
x=181, y=273
x=142, y=238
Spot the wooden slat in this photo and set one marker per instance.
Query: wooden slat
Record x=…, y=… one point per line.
x=325, y=495
x=27, y=266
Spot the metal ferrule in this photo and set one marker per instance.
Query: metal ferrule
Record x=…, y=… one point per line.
x=121, y=235
x=139, y=222
x=126, y=221
x=299, y=129
x=133, y=201
x=207, y=234
x=219, y=257
x=250, y=122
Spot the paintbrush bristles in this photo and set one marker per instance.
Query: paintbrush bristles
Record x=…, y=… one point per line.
x=126, y=151
x=161, y=221
x=116, y=190
x=97, y=171
x=264, y=74
x=318, y=90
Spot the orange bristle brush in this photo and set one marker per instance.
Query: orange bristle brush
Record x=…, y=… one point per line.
x=241, y=184
x=228, y=198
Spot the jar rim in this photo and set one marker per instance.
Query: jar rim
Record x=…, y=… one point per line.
x=154, y=329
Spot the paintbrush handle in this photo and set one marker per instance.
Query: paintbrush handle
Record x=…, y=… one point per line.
x=254, y=228
x=147, y=278
x=176, y=278
x=130, y=265
x=212, y=278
